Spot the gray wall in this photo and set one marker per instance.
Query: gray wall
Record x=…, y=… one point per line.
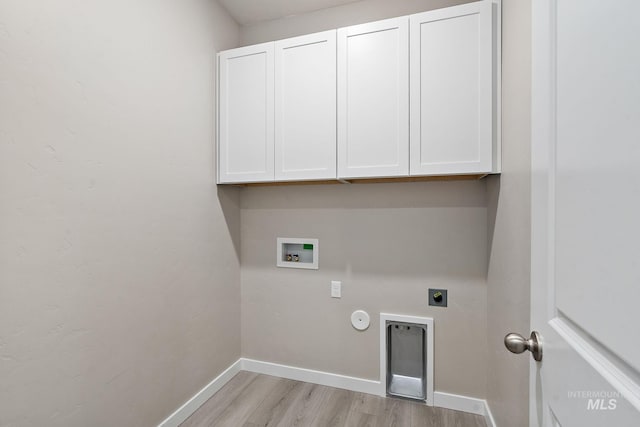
x=341, y=16
x=119, y=259
x=387, y=243
x=510, y=224
x=270, y=294
x=119, y=269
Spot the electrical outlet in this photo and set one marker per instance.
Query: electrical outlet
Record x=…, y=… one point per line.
x=336, y=289
x=438, y=297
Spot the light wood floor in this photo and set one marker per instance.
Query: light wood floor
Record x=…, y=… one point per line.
x=251, y=400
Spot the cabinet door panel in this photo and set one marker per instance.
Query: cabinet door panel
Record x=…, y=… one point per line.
x=305, y=108
x=246, y=114
x=452, y=78
x=373, y=99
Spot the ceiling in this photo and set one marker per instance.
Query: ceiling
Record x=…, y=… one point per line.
x=247, y=12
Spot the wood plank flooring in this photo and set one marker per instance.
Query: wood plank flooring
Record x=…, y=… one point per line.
x=252, y=400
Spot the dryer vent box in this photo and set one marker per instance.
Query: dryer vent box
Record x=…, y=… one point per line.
x=406, y=356
x=407, y=360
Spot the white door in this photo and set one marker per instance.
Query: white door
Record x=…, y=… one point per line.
x=305, y=107
x=586, y=213
x=453, y=76
x=373, y=99
x=245, y=101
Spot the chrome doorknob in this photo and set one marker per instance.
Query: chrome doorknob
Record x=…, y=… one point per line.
x=517, y=344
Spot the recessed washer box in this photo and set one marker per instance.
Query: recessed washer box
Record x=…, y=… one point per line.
x=295, y=252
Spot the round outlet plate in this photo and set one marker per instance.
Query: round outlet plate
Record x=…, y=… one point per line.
x=360, y=320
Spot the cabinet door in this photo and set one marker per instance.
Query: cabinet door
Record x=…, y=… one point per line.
x=245, y=139
x=305, y=107
x=452, y=84
x=373, y=99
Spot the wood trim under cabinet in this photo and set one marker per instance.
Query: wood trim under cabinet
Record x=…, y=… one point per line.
x=473, y=177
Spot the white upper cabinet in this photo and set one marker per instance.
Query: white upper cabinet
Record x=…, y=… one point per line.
x=373, y=99
x=411, y=96
x=305, y=107
x=246, y=114
x=453, y=91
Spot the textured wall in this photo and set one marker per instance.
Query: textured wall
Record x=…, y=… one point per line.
x=358, y=12
x=119, y=268
x=510, y=226
x=388, y=244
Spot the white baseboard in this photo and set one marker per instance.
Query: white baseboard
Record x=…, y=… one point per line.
x=464, y=404
x=311, y=376
x=488, y=416
x=459, y=403
x=440, y=399
x=191, y=405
